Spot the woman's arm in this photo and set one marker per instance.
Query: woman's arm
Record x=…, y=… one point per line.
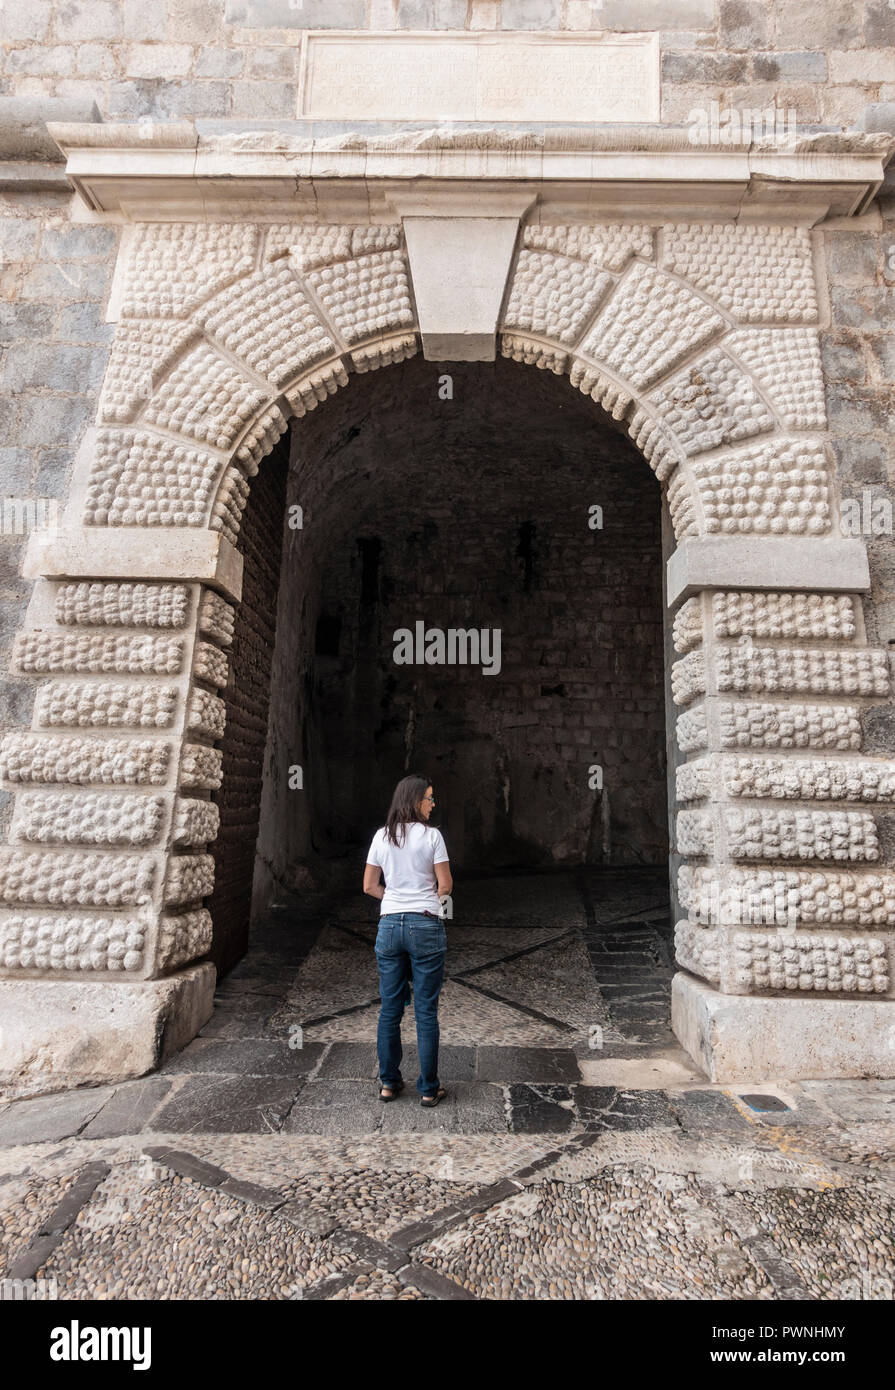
x=443, y=878
x=372, y=884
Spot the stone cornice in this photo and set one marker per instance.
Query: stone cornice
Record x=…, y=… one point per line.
x=187, y=170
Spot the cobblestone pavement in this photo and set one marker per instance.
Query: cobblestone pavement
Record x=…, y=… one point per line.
x=579, y=1154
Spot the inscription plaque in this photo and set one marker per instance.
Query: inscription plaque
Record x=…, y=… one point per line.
x=479, y=77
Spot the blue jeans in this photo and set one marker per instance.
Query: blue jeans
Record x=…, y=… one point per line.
x=405, y=941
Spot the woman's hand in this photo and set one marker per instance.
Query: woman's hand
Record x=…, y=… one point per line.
x=373, y=885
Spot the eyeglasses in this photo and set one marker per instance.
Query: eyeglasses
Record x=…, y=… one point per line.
x=429, y=798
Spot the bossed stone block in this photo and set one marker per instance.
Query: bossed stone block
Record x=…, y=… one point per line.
x=201, y=767
x=385, y=353
x=711, y=403
x=786, y=364
x=174, y=266
x=206, y=715
x=210, y=665
x=55, y=1034
x=268, y=323
x=825, y=897
x=691, y=731
x=757, y=273
x=122, y=605
x=104, y=704
x=84, y=653
x=195, y=822
x=554, y=296
x=802, y=616
x=520, y=348
x=753, y=724
x=649, y=324
x=747, y=960
x=217, y=618
x=74, y=878
x=753, y=1038
x=590, y=382
x=313, y=388
x=87, y=818
x=80, y=761
x=57, y=943
x=687, y=630
x=182, y=938
x=366, y=296
x=610, y=246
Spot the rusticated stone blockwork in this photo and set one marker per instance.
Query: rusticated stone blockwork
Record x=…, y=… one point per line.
x=136, y=790
x=97, y=779
x=699, y=339
x=746, y=931
x=611, y=305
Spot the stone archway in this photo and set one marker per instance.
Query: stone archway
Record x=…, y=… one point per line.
x=701, y=336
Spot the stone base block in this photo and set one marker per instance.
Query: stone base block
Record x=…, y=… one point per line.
x=744, y=1037
x=60, y=1033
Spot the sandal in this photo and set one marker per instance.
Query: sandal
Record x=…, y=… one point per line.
x=395, y=1092
x=429, y=1101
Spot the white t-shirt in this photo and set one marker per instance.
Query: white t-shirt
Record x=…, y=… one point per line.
x=410, y=883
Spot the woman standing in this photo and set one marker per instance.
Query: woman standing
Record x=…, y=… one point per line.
x=412, y=858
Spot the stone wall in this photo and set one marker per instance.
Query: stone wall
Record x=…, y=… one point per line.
x=238, y=58
x=472, y=512
x=859, y=366
x=54, y=344
x=699, y=338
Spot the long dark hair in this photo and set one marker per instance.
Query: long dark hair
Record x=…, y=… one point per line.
x=404, y=808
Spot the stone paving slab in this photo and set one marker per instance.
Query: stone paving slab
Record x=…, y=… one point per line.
x=336, y=1107
x=232, y=1021
x=539, y=1109
x=507, y=1064
x=358, y=1061
x=470, y=1107
x=129, y=1109
x=51, y=1117
x=245, y=1057
x=228, y=1105
x=624, y=1109
x=855, y=1100
x=707, y=1111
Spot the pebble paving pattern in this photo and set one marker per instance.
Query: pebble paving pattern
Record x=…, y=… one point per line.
x=561, y=1187
x=379, y=1285
x=841, y=1243
x=378, y=1203
x=24, y=1203
x=166, y=1237
x=624, y=1236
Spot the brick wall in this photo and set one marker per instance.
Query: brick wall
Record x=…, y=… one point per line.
x=467, y=513
x=247, y=697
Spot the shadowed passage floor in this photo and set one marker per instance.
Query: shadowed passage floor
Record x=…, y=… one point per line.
x=551, y=981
